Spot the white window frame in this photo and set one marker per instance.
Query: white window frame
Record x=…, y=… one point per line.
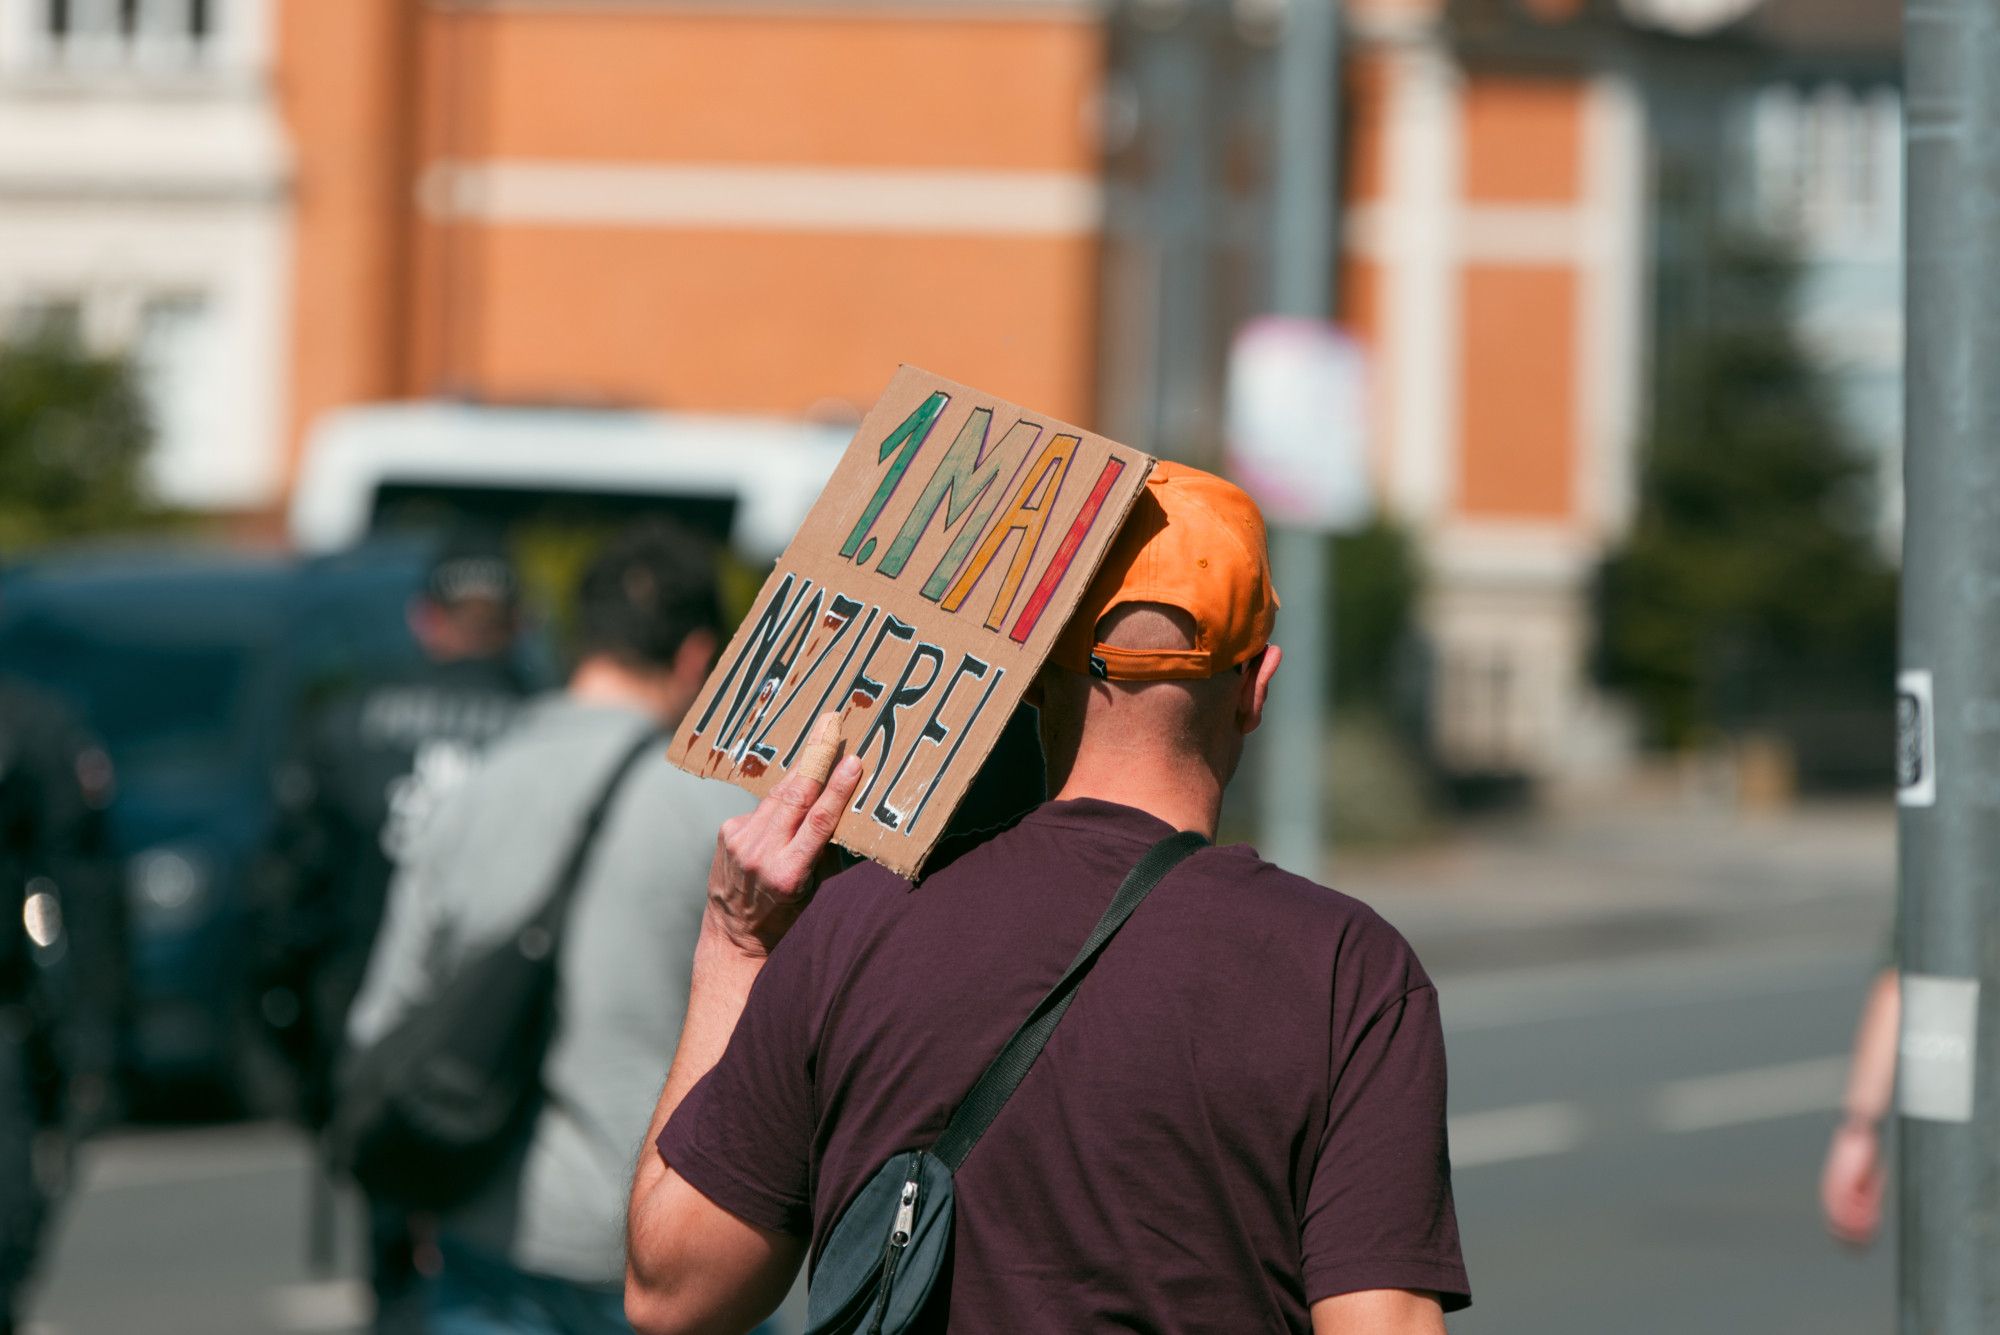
x=162, y=40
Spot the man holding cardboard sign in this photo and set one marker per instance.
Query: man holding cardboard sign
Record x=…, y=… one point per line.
x=1239, y=1125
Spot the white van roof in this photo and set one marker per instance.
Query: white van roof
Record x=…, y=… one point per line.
x=774, y=468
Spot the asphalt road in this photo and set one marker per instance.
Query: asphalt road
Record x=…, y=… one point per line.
x=1636, y=1150
x=1640, y=1095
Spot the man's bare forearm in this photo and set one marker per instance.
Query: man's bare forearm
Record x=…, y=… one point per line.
x=764, y=870
x=690, y=1265
x=723, y=977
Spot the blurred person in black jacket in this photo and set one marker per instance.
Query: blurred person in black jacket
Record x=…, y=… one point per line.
x=61, y=964
x=368, y=767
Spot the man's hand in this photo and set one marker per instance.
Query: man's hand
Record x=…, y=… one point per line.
x=767, y=863
x=1850, y=1185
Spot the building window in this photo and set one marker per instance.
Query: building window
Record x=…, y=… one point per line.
x=1479, y=723
x=126, y=34
x=177, y=355
x=1827, y=166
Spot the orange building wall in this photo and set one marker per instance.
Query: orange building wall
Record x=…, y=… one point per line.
x=342, y=85
x=1360, y=313
x=911, y=90
x=742, y=321
x=1521, y=145
x=1366, y=124
x=1522, y=139
x=771, y=320
x=401, y=297
x=1518, y=426
x=452, y=121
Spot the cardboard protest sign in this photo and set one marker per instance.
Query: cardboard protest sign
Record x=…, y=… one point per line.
x=919, y=597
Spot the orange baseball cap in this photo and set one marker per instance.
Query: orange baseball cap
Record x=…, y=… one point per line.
x=1192, y=541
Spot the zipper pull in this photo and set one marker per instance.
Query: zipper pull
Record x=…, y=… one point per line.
x=899, y=1238
x=906, y=1216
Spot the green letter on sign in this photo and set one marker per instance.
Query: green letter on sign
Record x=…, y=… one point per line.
x=905, y=438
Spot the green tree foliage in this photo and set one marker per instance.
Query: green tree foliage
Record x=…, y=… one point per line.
x=1750, y=574
x=1378, y=578
x=74, y=432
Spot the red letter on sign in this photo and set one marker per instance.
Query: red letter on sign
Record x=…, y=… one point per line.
x=1072, y=541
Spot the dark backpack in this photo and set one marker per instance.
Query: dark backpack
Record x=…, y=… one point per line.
x=881, y=1264
x=430, y=1112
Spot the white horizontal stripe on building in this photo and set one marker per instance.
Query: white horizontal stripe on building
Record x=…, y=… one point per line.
x=1520, y=234
x=944, y=11
x=768, y=198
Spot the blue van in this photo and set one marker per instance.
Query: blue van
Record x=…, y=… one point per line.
x=191, y=665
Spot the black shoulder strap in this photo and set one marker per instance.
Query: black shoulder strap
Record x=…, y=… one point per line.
x=550, y=917
x=1007, y=1070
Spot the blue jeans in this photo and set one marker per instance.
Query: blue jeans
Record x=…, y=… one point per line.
x=478, y=1293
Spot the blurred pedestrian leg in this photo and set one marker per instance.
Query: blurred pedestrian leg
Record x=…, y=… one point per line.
x=393, y=1272
x=481, y=1294
x=22, y=1203
x=478, y=1293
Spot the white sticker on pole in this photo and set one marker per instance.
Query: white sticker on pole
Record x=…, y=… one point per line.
x=1916, y=739
x=1935, y=1055
x=1297, y=422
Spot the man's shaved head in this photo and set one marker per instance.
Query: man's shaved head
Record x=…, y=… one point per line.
x=1185, y=720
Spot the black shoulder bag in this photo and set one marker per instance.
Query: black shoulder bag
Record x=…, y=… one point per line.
x=888, y=1248
x=430, y=1112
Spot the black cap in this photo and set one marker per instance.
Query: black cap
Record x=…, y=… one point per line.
x=472, y=566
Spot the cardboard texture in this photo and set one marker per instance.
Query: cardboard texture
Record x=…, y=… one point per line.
x=918, y=599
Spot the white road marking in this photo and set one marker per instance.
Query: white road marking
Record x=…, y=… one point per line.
x=1766, y=1094
x=1594, y=988
x=1678, y=1107
x=1506, y=1134
x=334, y=1304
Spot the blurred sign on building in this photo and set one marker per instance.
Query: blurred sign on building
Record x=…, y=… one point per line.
x=1298, y=423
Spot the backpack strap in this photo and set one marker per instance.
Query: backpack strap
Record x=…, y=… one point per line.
x=993, y=1088
x=549, y=919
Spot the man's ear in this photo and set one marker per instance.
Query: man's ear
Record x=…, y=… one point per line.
x=1256, y=687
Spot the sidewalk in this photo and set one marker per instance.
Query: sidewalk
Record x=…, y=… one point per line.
x=1638, y=880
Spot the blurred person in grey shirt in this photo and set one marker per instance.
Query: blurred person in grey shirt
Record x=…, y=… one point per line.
x=540, y=1248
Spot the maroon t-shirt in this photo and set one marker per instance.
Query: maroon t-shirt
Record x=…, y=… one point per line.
x=1241, y=1114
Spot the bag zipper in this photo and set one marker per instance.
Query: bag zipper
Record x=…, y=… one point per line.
x=899, y=1238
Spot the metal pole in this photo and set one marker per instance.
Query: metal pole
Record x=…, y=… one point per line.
x=1949, y=701
x=1302, y=284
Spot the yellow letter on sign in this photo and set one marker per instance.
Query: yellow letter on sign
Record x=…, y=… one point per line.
x=1027, y=516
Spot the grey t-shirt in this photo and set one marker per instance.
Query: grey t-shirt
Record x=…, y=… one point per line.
x=482, y=867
